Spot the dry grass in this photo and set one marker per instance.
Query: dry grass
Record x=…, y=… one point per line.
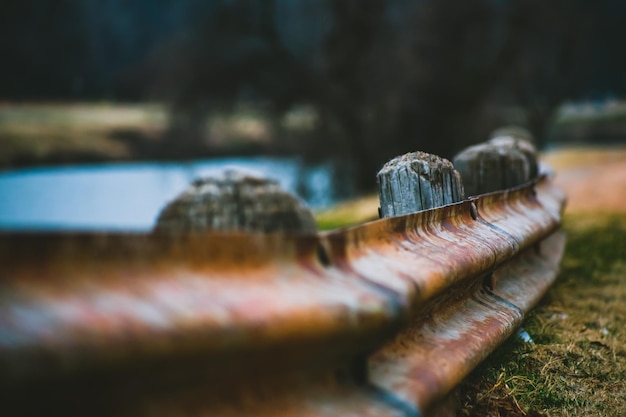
x=575, y=157
x=37, y=131
x=577, y=366
x=40, y=133
x=348, y=213
x=580, y=170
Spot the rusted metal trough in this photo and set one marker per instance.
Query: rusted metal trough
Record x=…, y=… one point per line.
x=383, y=319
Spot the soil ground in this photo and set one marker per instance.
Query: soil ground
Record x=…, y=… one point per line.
x=594, y=178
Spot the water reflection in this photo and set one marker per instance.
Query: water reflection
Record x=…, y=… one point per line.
x=130, y=196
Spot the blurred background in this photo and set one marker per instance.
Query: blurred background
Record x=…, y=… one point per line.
x=109, y=108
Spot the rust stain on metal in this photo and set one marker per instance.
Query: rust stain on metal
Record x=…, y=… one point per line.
x=431, y=356
x=100, y=299
x=406, y=292
x=389, y=250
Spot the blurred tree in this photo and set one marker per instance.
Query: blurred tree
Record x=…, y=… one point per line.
x=383, y=76
x=230, y=55
x=402, y=76
x=554, y=62
x=346, y=99
x=43, y=56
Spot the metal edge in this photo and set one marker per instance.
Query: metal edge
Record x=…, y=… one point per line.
x=343, y=262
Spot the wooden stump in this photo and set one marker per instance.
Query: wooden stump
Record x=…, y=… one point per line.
x=417, y=181
x=235, y=200
x=520, y=139
x=507, y=160
x=487, y=167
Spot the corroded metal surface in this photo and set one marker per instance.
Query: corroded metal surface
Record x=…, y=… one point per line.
x=74, y=301
x=420, y=255
x=208, y=312
x=435, y=352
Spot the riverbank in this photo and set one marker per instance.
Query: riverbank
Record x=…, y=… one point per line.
x=35, y=134
x=40, y=133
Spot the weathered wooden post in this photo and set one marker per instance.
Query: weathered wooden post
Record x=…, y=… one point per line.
x=235, y=200
x=504, y=161
x=417, y=181
x=521, y=139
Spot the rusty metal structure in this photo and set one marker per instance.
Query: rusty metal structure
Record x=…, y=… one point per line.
x=383, y=319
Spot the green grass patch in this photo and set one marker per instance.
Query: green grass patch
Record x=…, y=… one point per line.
x=577, y=366
x=348, y=214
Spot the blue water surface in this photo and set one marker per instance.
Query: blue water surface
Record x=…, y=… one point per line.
x=129, y=196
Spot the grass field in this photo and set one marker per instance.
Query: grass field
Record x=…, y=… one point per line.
x=40, y=133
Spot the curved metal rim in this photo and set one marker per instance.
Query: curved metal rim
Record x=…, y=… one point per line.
x=75, y=303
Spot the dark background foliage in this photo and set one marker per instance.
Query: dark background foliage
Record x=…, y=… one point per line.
x=383, y=77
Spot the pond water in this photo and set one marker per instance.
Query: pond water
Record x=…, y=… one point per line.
x=130, y=196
